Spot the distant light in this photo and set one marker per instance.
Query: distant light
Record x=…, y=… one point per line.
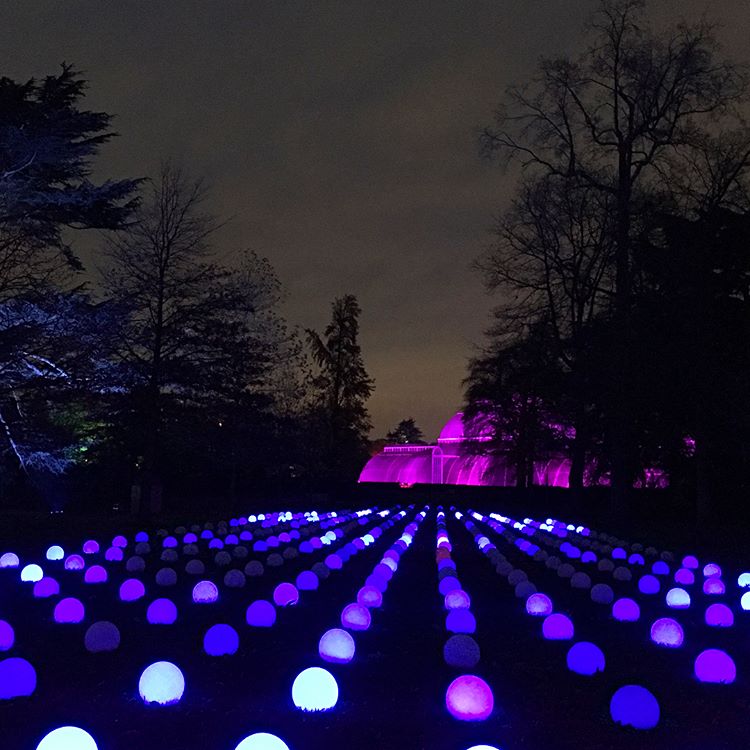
x=634, y=706
x=719, y=616
x=55, y=552
x=113, y=554
x=261, y=614
x=369, y=596
x=469, y=698
x=162, y=683
x=690, y=562
x=262, y=741
x=67, y=738
x=32, y=573
x=307, y=581
x=161, y=612
x=667, y=632
x=221, y=640
x=660, y=568
x=9, y=560
x=678, y=598
x=714, y=665
x=17, y=678
x=745, y=601
x=743, y=581
x=557, y=627
x=205, y=592
x=460, y=621
x=585, y=658
x=336, y=646
x=69, y=610
x=356, y=617
x=119, y=541
x=315, y=689
x=7, y=636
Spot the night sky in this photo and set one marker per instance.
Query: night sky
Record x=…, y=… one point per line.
x=341, y=139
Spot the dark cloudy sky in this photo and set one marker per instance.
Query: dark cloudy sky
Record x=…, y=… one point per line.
x=341, y=137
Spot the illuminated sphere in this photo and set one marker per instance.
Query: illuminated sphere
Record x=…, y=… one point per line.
x=261, y=614
x=119, y=541
x=95, y=574
x=460, y=621
x=32, y=573
x=678, y=599
x=712, y=570
x=457, y=599
x=649, y=584
x=557, y=627
x=90, y=547
x=461, y=651
x=743, y=581
x=7, y=636
x=102, y=636
x=55, y=552
x=315, y=689
x=719, y=616
x=67, y=738
x=262, y=741
x=449, y=583
x=17, y=678
x=221, y=640
x=483, y=747
x=714, y=665
x=714, y=586
x=74, y=562
x=602, y=593
x=141, y=536
x=46, y=587
x=745, y=601
x=337, y=646
x=113, y=554
x=667, y=632
x=585, y=658
x=132, y=590
x=539, y=605
x=161, y=683
x=660, y=568
x=205, y=592
x=161, y=612
x=690, y=562
x=69, y=610
x=307, y=581
x=9, y=560
x=369, y=596
x=684, y=577
x=634, y=706
x=285, y=595
x=355, y=617
x=469, y=698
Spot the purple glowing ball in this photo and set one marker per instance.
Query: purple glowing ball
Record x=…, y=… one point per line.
x=46, y=587
x=221, y=640
x=95, y=574
x=161, y=612
x=9, y=560
x=7, y=636
x=460, y=621
x=69, y=610
x=74, y=562
x=113, y=554
x=261, y=614
x=585, y=658
x=205, y=592
x=634, y=706
x=141, y=536
x=714, y=587
x=719, y=616
x=90, y=547
x=120, y=541
x=714, y=665
x=131, y=590
x=457, y=599
x=684, y=577
x=369, y=596
x=667, y=632
x=285, y=595
x=449, y=583
x=469, y=698
x=649, y=584
x=169, y=542
x=558, y=627
x=355, y=617
x=17, y=678
x=660, y=568
x=539, y=605
x=336, y=646
x=690, y=562
x=334, y=562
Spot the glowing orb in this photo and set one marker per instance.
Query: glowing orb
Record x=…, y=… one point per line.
x=469, y=698
x=307, y=581
x=285, y=595
x=745, y=601
x=161, y=612
x=448, y=584
x=95, y=574
x=633, y=705
x=585, y=658
x=119, y=541
x=684, y=577
x=539, y=605
x=7, y=636
x=460, y=621
x=743, y=581
x=714, y=665
x=131, y=590
x=461, y=651
x=315, y=689
x=46, y=587
x=356, y=617
x=102, y=636
x=161, y=683
x=667, y=632
x=262, y=741
x=17, y=678
x=557, y=627
x=678, y=599
x=67, y=738
x=719, y=616
x=337, y=646
x=712, y=570
x=32, y=573
x=221, y=640
x=649, y=584
x=690, y=561
x=205, y=592
x=90, y=547
x=55, y=552
x=113, y=554
x=660, y=568
x=457, y=599
x=369, y=596
x=483, y=747
x=69, y=610
x=714, y=586
x=74, y=562
x=261, y=614
x=9, y=560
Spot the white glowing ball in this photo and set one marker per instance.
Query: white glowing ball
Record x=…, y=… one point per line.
x=336, y=645
x=55, y=552
x=161, y=683
x=67, y=738
x=315, y=689
x=32, y=573
x=9, y=560
x=262, y=741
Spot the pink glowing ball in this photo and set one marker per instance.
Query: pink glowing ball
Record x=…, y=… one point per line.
x=356, y=617
x=469, y=698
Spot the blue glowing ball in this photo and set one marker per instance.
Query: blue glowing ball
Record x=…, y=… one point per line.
x=69, y=610
x=169, y=542
x=261, y=614
x=141, y=536
x=743, y=580
x=46, y=587
x=558, y=627
x=719, y=616
x=355, y=617
x=7, y=636
x=714, y=665
x=649, y=584
x=469, y=698
x=131, y=590
x=161, y=683
x=32, y=573
x=9, y=560
x=315, y=689
x=95, y=574
x=307, y=581
x=667, y=632
x=161, y=612
x=55, y=552
x=336, y=646
x=17, y=678
x=660, y=568
x=205, y=592
x=262, y=741
x=221, y=640
x=449, y=583
x=539, y=605
x=678, y=599
x=460, y=621
x=67, y=738
x=585, y=658
x=634, y=706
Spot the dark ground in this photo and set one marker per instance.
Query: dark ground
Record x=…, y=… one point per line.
x=392, y=694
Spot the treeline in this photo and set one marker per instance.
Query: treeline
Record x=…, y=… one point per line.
x=623, y=265
x=161, y=372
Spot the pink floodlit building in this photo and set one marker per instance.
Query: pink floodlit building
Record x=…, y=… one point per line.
x=456, y=458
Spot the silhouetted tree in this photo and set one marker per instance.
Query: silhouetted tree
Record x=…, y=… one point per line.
x=406, y=432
